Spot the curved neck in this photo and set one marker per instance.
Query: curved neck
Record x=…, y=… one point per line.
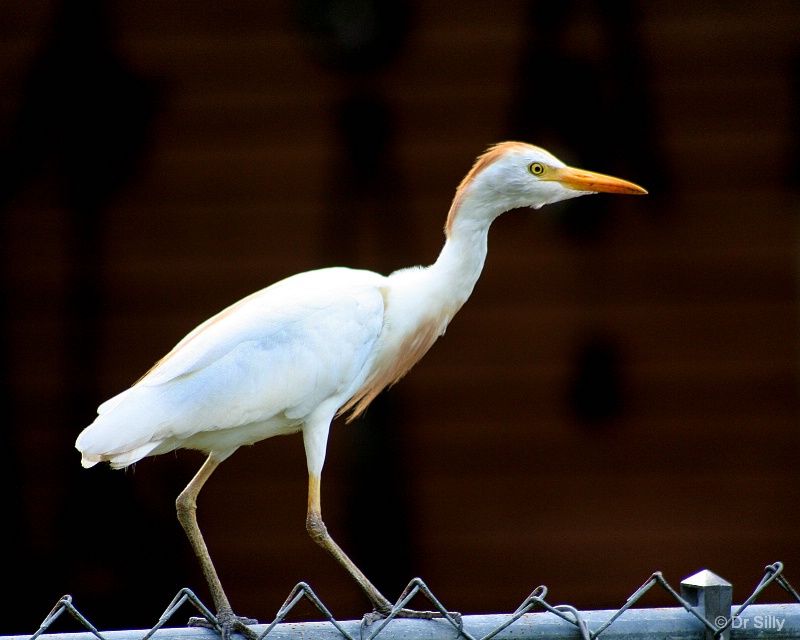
x=461, y=260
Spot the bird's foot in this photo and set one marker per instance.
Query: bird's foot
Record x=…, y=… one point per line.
x=229, y=623
x=381, y=614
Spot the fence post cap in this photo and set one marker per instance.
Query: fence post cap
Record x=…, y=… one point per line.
x=705, y=578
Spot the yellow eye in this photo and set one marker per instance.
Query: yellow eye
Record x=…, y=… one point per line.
x=536, y=168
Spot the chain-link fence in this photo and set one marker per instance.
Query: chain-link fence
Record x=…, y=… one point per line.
x=706, y=612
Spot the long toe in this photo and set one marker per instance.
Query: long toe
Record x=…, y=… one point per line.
x=411, y=613
x=428, y=615
x=241, y=625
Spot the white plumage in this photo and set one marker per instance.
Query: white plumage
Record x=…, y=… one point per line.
x=291, y=356
x=260, y=368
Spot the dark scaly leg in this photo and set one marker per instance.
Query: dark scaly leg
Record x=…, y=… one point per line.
x=319, y=533
x=186, y=505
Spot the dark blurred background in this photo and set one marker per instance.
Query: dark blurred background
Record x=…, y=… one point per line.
x=619, y=396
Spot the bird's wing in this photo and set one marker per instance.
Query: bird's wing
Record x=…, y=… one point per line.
x=285, y=310
x=279, y=352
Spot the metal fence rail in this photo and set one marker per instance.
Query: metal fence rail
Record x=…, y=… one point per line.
x=705, y=613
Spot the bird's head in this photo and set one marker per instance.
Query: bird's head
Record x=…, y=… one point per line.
x=515, y=174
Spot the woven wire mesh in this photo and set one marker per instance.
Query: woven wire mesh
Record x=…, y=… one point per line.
x=373, y=626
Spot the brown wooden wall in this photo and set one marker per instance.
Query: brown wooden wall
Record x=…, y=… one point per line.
x=486, y=482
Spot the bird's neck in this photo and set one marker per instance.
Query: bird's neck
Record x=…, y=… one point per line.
x=431, y=296
x=420, y=302
x=459, y=265
x=461, y=260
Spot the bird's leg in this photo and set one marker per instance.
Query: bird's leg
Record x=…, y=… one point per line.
x=186, y=505
x=319, y=533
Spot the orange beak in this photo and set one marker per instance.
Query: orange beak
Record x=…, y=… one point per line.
x=581, y=180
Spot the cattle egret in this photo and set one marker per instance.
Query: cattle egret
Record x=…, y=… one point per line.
x=322, y=343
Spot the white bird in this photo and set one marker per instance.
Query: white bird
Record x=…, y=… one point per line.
x=295, y=355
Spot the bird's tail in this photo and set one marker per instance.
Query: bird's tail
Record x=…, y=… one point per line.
x=121, y=435
x=116, y=460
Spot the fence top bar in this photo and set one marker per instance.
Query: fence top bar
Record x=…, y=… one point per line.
x=758, y=621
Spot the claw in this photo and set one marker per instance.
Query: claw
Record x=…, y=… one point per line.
x=229, y=624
